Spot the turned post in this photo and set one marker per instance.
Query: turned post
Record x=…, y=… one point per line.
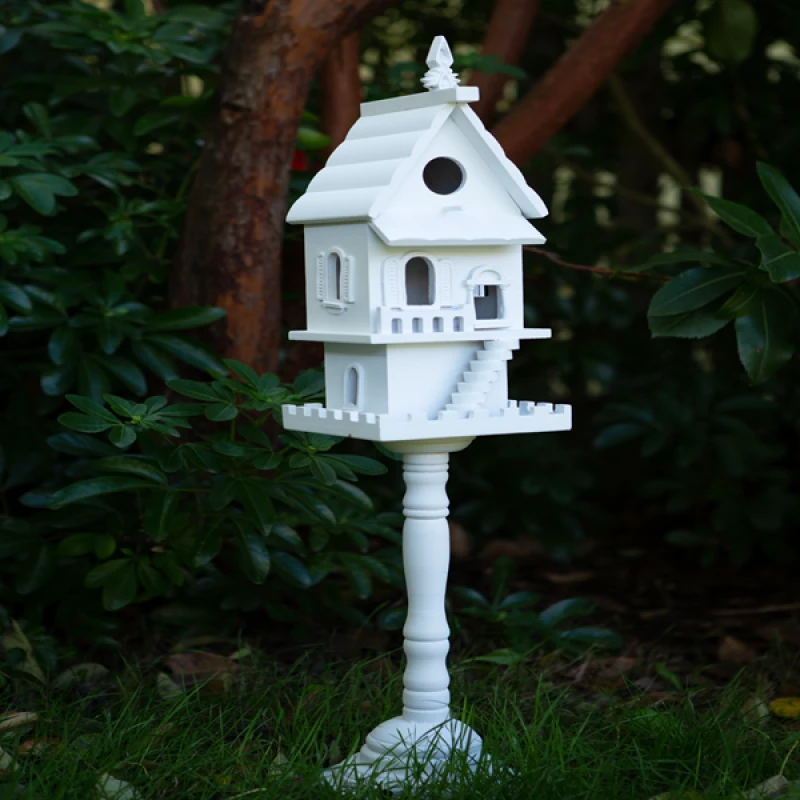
x=426, y=560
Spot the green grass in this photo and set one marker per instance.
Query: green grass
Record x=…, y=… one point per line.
x=272, y=734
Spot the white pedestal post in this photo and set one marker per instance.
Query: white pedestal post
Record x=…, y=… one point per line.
x=417, y=745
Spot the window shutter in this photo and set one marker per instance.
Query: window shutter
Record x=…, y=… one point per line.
x=321, y=276
x=347, y=288
x=444, y=278
x=390, y=270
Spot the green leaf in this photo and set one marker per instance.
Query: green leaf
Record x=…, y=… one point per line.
x=245, y=372
x=131, y=465
x=309, y=139
x=94, y=487
x=193, y=354
x=83, y=423
x=154, y=120
x=196, y=390
x=39, y=190
x=78, y=544
x=780, y=261
x=254, y=556
x=120, y=100
x=288, y=535
x=122, y=436
x=135, y=9
x=122, y=590
x=125, y=408
x=741, y=218
x=292, y=568
x=157, y=362
x=209, y=545
x=104, y=573
x=58, y=380
x=153, y=582
x=691, y=325
x=505, y=657
x=730, y=30
x=592, y=637
x=309, y=383
x=358, y=577
x=763, y=335
x=36, y=571
x=692, y=290
x=92, y=408
x=181, y=319
x=74, y=444
x=157, y=511
x=617, y=434
x=15, y=296
x=218, y=412
x=354, y=495
x=92, y=379
x=739, y=302
x=9, y=39
x=566, y=609
x=252, y=494
x=361, y=464
x=62, y=345
x=324, y=473
x=785, y=197
x=267, y=461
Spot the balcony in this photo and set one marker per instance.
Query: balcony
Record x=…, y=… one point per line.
x=428, y=320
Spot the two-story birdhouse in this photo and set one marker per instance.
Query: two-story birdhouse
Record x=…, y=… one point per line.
x=413, y=249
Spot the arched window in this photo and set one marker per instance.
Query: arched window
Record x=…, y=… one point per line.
x=333, y=277
x=488, y=301
x=352, y=388
x=420, y=282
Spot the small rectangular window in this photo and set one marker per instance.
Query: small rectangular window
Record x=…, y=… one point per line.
x=397, y=325
x=458, y=324
x=416, y=325
x=438, y=324
x=333, y=282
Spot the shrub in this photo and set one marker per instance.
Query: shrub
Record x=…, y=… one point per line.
x=101, y=119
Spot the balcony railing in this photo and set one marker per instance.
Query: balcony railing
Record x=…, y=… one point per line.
x=426, y=319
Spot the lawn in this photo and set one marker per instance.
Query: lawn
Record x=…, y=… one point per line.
x=262, y=729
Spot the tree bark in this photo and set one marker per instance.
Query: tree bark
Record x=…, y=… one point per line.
x=576, y=76
x=233, y=236
x=508, y=31
x=340, y=88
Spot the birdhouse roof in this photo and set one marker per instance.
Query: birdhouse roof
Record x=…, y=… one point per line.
x=389, y=143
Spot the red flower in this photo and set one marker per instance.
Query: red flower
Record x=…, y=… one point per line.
x=299, y=161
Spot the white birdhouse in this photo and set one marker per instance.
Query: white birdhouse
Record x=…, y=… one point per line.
x=413, y=249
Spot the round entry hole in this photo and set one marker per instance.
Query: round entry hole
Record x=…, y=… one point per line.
x=443, y=175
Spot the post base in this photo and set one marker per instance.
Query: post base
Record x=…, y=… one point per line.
x=400, y=754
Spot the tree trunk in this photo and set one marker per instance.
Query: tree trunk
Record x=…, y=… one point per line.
x=340, y=88
x=505, y=37
x=576, y=76
x=340, y=98
x=231, y=250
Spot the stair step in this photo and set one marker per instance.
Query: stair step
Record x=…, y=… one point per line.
x=493, y=355
x=501, y=344
x=481, y=376
x=453, y=412
x=472, y=386
x=483, y=367
x=466, y=398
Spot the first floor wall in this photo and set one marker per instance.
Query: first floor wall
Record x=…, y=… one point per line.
x=403, y=378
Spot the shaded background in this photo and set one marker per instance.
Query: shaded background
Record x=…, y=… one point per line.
x=676, y=465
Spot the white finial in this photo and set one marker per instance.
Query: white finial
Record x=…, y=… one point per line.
x=439, y=61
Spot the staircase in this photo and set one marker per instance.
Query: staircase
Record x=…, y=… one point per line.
x=480, y=375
